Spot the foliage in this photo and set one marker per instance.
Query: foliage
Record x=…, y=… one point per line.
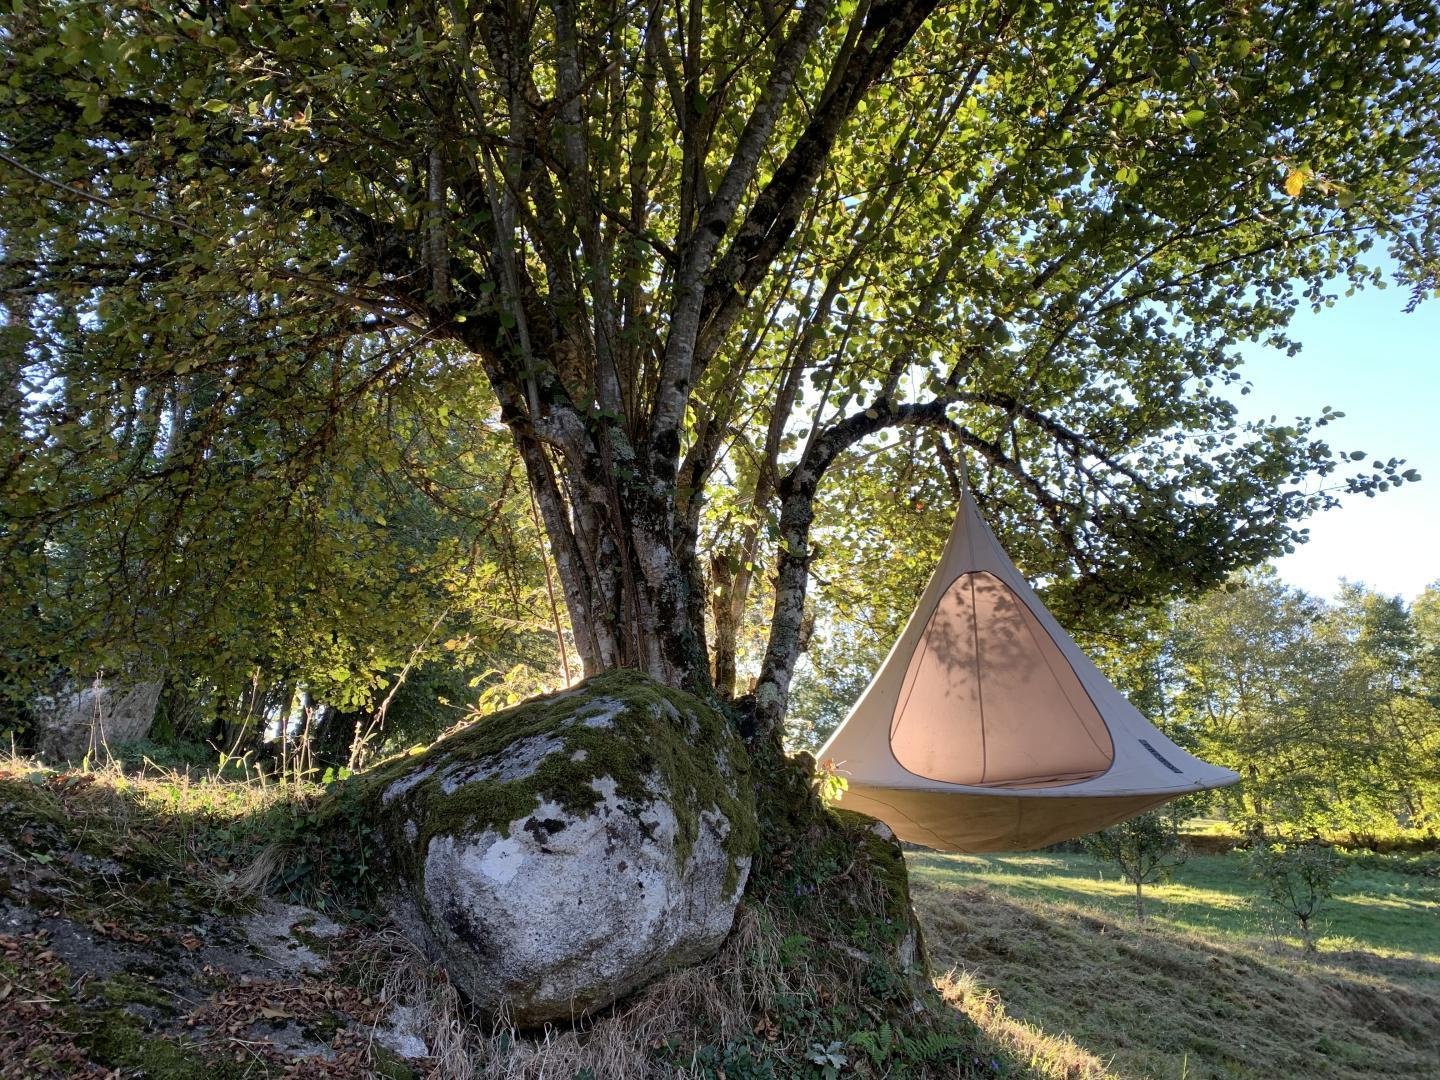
x=830, y=1057
x=1325, y=710
x=268, y=273
x=176, y=755
x=329, y=582
x=1298, y=878
x=1146, y=849
x=838, y=665
x=1424, y=864
x=829, y=783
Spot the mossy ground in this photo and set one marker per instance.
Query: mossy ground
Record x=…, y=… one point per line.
x=118, y=890
x=815, y=972
x=123, y=952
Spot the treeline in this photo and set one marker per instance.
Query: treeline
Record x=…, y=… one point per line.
x=1330, y=711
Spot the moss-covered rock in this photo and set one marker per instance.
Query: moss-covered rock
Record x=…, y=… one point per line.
x=561, y=854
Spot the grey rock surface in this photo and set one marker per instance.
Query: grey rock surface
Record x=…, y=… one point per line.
x=583, y=846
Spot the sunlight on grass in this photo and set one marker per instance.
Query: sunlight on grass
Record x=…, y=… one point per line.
x=1388, y=914
x=1048, y=961
x=1054, y=1057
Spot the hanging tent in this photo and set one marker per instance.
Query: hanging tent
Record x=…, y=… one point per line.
x=987, y=729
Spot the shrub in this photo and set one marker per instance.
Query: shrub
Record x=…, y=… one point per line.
x=1298, y=879
x=1146, y=849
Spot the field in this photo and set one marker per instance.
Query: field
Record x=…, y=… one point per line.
x=1044, y=953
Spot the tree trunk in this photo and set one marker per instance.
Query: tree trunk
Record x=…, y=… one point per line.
x=626, y=570
x=722, y=609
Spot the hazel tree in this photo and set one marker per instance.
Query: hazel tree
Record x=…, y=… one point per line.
x=702, y=254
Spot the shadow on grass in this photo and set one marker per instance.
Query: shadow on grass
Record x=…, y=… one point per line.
x=117, y=875
x=1385, y=912
x=1157, y=1002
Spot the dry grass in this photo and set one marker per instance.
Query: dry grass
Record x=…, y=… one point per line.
x=171, y=815
x=810, y=962
x=1054, y=1057
x=1069, y=992
x=716, y=1000
x=153, y=793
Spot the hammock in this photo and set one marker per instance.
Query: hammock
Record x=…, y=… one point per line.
x=987, y=729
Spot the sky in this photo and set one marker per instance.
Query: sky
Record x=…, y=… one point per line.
x=1381, y=367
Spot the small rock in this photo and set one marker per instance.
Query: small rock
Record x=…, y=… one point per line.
x=272, y=930
x=401, y=1033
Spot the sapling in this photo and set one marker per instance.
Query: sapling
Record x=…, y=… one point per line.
x=1297, y=878
x=1146, y=849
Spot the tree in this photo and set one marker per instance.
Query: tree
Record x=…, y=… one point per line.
x=1298, y=879
x=1320, y=707
x=1146, y=849
x=242, y=548
x=1398, y=723
x=1268, y=698
x=1424, y=699
x=700, y=255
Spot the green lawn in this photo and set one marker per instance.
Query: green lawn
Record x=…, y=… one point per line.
x=1043, y=952
x=1387, y=913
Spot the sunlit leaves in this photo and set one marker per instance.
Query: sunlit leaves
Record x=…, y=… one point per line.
x=1065, y=219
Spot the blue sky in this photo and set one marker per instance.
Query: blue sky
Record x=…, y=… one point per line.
x=1381, y=367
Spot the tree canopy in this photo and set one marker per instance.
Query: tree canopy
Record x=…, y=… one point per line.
x=269, y=266
x=1330, y=711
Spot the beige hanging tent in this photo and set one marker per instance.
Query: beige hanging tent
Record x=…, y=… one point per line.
x=987, y=729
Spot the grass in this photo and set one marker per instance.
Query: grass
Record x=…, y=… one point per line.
x=1375, y=910
x=1041, y=954
x=1048, y=960
x=130, y=889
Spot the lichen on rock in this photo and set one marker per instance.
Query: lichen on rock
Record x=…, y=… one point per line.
x=558, y=855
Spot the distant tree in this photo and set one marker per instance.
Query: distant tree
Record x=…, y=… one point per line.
x=1145, y=849
x=835, y=673
x=1395, y=715
x=1297, y=878
x=1324, y=709
x=1419, y=707
x=1265, y=695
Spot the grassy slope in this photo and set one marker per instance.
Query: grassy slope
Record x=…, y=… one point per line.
x=1049, y=961
x=1045, y=954
x=1388, y=913
x=125, y=901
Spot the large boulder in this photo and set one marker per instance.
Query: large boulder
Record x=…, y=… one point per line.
x=558, y=855
x=91, y=720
